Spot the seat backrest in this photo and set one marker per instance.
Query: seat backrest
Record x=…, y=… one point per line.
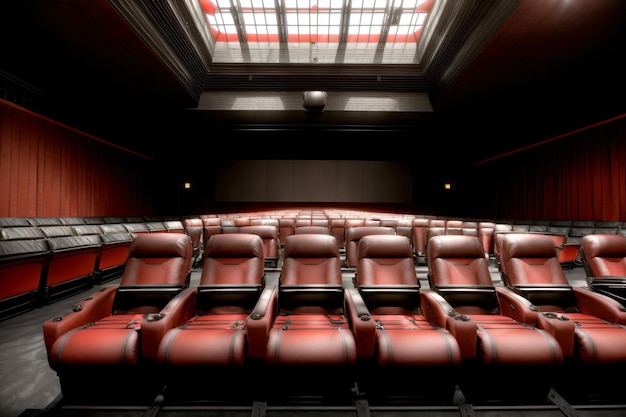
x=174, y=226
x=158, y=259
x=386, y=276
x=604, y=255
x=312, y=229
x=311, y=278
x=233, y=273
x=269, y=236
x=385, y=260
x=354, y=234
x=158, y=267
x=286, y=227
x=420, y=229
x=233, y=259
x=338, y=229
x=533, y=270
x=193, y=227
x=459, y=272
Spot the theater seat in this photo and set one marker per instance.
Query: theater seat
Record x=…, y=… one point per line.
x=22, y=263
x=305, y=342
x=604, y=261
x=270, y=239
x=203, y=354
x=589, y=326
x=97, y=348
x=72, y=265
x=354, y=234
x=501, y=356
x=414, y=360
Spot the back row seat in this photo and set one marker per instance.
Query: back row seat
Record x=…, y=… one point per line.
x=43, y=260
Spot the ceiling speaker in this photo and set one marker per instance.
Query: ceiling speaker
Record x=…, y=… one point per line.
x=314, y=101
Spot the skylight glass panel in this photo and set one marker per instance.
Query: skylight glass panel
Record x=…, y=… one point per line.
x=294, y=25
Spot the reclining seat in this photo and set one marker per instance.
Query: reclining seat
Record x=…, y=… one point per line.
x=97, y=349
x=304, y=343
x=194, y=227
x=270, y=239
x=354, y=234
x=588, y=325
x=604, y=261
x=203, y=353
x=500, y=355
x=414, y=360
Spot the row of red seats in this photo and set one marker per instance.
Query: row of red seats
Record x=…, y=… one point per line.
x=234, y=338
x=63, y=237
x=43, y=260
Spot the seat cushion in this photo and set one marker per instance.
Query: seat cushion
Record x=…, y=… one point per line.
x=207, y=340
x=503, y=341
x=311, y=339
x=403, y=340
x=113, y=340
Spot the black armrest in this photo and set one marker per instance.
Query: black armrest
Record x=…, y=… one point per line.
x=608, y=281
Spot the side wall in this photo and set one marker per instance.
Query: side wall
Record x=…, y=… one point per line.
x=578, y=175
x=51, y=170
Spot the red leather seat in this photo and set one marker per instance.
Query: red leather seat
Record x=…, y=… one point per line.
x=193, y=227
x=203, y=351
x=306, y=340
x=588, y=325
x=604, y=260
x=98, y=349
x=500, y=355
x=270, y=239
x=406, y=344
x=354, y=234
x=22, y=264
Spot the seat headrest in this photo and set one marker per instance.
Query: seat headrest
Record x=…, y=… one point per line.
x=312, y=229
x=385, y=246
x=605, y=245
x=234, y=245
x=528, y=245
x=455, y=246
x=356, y=233
x=266, y=231
x=311, y=246
x=160, y=245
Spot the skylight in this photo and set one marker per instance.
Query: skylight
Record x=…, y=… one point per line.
x=314, y=31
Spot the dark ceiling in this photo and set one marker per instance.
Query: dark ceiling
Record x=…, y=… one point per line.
x=500, y=75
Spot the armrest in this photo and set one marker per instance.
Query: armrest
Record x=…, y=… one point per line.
x=439, y=312
x=561, y=328
x=362, y=323
x=517, y=307
x=261, y=321
x=607, y=281
x=97, y=306
x=600, y=305
x=175, y=313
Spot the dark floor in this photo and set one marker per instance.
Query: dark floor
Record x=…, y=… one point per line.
x=28, y=387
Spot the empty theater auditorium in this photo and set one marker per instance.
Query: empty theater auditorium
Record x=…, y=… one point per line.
x=298, y=208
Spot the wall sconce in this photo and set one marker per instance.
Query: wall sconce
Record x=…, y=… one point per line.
x=314, y=101
x=187, y=185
